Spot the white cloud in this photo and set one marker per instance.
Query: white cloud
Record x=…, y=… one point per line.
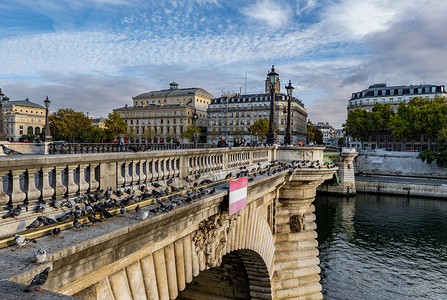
x=305, y=6
x=268, y=11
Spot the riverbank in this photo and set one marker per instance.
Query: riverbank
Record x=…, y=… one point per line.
x=406, y=186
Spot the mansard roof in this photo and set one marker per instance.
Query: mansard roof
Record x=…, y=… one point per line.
x=377, y=89
x=174, y=93
x=25, y=103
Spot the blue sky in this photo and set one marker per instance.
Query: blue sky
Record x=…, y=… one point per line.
x=95, y=55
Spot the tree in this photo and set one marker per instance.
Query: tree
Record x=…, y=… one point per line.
x=130, y=134
x=440, y=156
x=237, y=132
x=189, y=132
x=71, y=126
x=213, y=135
x=359, y=124
x=260, y=129
x=115, y=125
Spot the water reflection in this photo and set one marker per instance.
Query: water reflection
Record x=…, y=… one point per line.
x=382, y=247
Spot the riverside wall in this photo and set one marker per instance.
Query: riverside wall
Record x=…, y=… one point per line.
x=393, y=163
x=400, y=173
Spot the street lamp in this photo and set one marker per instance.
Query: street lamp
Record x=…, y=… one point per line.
x=47, y=136
x=288, y=137
x=195, y=116
x=272, y=78
x=2, y=127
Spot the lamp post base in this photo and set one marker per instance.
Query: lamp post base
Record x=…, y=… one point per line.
x=287, y=140
x=271, y=138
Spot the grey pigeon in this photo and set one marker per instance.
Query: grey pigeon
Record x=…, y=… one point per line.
x=9, y=151
x=93, y=220
x=56, y=231
x=13, y=212
x=138, y=209
x=143, y=215
x=38, y=281
x=122, y=210
x=35, y=224
x=57, y=204
x=78, y=225
x=40, y=256
x=156, y=184
x=21, y=241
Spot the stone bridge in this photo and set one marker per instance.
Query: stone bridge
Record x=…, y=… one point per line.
x=196, y=251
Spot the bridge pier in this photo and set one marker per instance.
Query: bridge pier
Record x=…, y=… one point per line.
x=296, y=262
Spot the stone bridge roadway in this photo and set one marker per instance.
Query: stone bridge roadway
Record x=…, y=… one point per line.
x=196, y=251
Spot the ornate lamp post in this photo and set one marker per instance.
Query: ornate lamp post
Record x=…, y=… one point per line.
x=288, y=137
x=2, y=127
x=271, y=135
x=47, y=137
x=195, y=116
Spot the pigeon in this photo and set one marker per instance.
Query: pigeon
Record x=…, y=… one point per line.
x=159, y=202
x=56, y=204
x=77, y=212
x=109, y=193
x=119, y=193
x=78, y=225
x=122, y=210
x=134, y=148
x=212, y=191
x=40, y=255
x=106, y=214
x=156, y=184
x=56, y=232
x=35, y=224
x=93, y=220
x=9, y=151
x=228, y=176
x=138, y=209
x=21, y=241
x=169, y=181
x=197, y=176
x=40, y=208
x=143, y=215
x=13, y=212
x=38, y=281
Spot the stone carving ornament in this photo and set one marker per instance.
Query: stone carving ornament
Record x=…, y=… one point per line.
x=212, y=236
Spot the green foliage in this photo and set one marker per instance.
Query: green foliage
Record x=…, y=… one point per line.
x=71, y=126
x=115, y=125
x=260, y=129
x=189, y=132
x=213, y=135
x=238, y=132
x=439, y=156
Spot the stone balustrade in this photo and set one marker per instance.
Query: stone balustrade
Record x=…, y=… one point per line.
x=29, y=178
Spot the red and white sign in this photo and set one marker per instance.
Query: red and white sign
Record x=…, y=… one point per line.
x=238, y=194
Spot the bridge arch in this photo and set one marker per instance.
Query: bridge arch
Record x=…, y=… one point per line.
x=241, y=275
x=243, y=241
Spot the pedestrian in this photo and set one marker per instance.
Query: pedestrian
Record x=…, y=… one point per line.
x=222, y=143
x=243, y=142
x=121, y=144
x=300, y=143
x=236, y=142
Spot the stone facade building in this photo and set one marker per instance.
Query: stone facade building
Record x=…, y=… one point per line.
x=162, y=116
x=381, y=93
x=231, y=115
x=329, y=134
x=21, y=117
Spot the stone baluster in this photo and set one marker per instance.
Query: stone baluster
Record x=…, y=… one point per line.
x=82, y=184
x=72, y=187
x=127, y=176
x=59, y=188
x=161, y=169
x=155, y=169
x=32, y=192
x=120, y=178
x=47, y=189
x=17, y=195
x=93, y=184
x=149, y=170
x=4, y=198
x=296, y=261
x=143, y=171
x=176, y=166
x=135, y=176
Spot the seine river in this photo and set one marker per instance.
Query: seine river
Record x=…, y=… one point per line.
x=382, y=247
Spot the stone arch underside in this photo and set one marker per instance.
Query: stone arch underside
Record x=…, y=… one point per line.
x=241, y=275
x=170, y=267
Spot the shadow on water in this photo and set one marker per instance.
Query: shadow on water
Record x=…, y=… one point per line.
x=382, y=247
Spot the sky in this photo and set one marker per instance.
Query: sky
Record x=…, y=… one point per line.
x=94, y=56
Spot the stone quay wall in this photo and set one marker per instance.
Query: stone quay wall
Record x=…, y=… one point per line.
x=392, y=163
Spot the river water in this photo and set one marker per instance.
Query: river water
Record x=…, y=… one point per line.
x=382, y=247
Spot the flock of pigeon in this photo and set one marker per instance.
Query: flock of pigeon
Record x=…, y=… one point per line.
x=102, y=205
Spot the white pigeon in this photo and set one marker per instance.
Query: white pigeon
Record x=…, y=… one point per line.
x=143, y=215
x=21, y=241
x=40, y=255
